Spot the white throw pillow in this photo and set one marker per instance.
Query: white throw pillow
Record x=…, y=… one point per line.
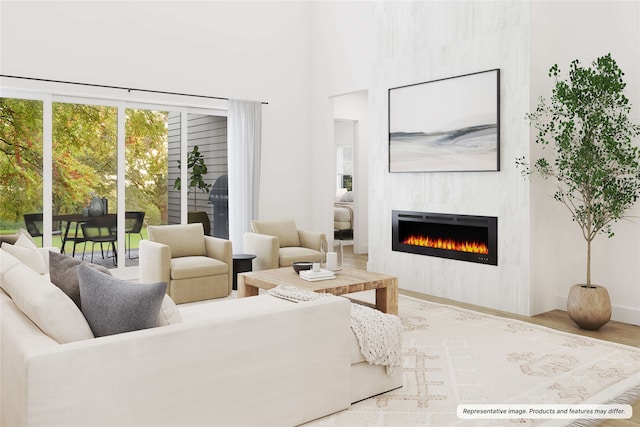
x=168, y=314
x=45, y=304
x=26, y=234
x=27, y=252
x=7, y=262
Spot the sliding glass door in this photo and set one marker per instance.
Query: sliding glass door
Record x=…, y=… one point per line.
x=21, y=151
x=84, y=169
x=59, y=155
x=146, y=175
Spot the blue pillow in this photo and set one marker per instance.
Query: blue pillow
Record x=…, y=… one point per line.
x=113, y=306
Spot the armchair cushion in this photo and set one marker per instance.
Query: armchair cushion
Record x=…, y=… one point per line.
x=285, y=230
x=196, y=266
x=184, y=240
x=168, y=314
x=290, y=255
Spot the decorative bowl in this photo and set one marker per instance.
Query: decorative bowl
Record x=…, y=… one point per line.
x=298, y=266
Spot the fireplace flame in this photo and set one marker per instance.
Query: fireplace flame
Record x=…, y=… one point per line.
x=452, y=245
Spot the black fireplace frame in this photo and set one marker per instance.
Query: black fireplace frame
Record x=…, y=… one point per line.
x=490, y=222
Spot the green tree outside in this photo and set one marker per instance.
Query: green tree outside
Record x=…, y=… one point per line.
x=20, y=159
x=84, y=159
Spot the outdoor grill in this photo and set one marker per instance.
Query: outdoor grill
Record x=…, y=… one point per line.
x=219, y=198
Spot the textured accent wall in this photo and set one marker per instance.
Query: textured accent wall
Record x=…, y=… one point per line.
x=423, y=41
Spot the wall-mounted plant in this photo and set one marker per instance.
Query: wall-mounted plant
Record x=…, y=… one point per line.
x=595, y=162
x=197, y=169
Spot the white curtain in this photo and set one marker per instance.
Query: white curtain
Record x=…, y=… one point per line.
x=244, y=128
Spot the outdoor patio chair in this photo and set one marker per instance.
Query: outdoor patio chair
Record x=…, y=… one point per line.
x=101, y=230
x=34, y=224
x=134, y=220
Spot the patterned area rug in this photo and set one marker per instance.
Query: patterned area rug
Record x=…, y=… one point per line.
x=455, y=356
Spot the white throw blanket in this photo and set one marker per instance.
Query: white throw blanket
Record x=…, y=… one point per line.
x=379, y=335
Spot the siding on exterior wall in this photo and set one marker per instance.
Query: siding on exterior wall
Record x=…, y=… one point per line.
x=209, y=133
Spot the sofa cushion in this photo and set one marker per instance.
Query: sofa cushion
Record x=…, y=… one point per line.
x=285, y=230
x=8, y=261
x=44, y=303
x=183, y=239
x=112, y=306
x=168, y=313
x=355, y=354
x=289, y=255
x=27, y=252
x=63, y=271
x=196, y=266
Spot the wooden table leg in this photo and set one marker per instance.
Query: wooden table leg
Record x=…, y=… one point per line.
x=387, y=298
x=245, y=290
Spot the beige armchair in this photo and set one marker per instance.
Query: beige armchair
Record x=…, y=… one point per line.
x=194, y=266
x=279, y=243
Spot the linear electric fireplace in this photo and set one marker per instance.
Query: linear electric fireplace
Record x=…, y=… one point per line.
x=461, y=237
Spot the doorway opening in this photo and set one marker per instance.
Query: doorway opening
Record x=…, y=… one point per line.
x=350, y=175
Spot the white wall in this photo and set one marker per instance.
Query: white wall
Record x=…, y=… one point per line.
x=246, y=50
x=341, y=48
x=423, y=41
x=560, y=33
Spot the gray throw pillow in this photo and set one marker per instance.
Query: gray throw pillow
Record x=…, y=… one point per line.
x=112, y=306
x=63, y=272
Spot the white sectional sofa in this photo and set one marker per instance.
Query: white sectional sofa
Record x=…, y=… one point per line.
x=260, y=361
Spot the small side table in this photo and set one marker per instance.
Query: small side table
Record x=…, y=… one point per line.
x=241, y=264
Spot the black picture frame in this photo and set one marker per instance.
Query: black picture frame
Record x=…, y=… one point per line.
x=446, y=125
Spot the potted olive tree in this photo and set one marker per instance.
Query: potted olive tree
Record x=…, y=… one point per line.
x=595, y=163
x=197, y=169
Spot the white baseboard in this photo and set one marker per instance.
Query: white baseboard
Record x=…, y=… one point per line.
x=618, y=313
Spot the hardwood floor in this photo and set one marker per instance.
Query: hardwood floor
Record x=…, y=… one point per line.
x=613, y=331
x=354, y=260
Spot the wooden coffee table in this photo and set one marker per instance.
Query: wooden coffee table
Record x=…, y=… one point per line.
x=348, y=280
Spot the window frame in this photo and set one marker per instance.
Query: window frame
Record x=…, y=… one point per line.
x=164, y=103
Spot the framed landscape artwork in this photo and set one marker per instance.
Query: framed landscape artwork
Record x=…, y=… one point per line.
x=446, y=125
